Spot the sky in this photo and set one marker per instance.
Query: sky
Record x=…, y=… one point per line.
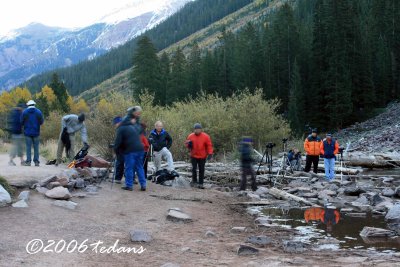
x=62, y=13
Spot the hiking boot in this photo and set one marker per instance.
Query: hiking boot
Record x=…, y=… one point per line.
x=37, y=163
x=12, y=163
x=200, y=186
x=127, y=188
x=143, y=189
x=25, y=163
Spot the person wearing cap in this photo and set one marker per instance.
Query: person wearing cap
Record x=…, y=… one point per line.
x=71, y=124
x=15, y=128
x=128, y=143
x=246, y=162
x=161, y=142
x=201, y=149
x=312, y=147
x=31, y=120
x=119, y=163
x=329, y=149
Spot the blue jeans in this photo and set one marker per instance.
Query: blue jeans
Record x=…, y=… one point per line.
x=134, y=162
x=329, y=168
x=29, y=142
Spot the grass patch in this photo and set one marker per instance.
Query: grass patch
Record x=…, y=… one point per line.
x=7, y=186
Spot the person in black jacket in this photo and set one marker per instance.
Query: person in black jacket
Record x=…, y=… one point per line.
x=15, y=128
x=128, y=143
x=161, y=142
x=246, y=160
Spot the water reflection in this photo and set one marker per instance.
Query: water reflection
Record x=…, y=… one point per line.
x=329, y=216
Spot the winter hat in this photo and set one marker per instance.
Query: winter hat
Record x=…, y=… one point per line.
x=31, y=103
x=117, y=120
x=197, y=126
x=314, y=130
x=81, y=117
x=329, y=135
x=247, y=140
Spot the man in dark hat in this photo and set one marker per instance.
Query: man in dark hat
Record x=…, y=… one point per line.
x=71, y=124
x=201, y=149
x=312, y=147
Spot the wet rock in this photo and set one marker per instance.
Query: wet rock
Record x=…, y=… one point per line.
x=180, y=182
x=388, y=192
x=20, y=204
x=24, y=195
x=393, y=215
x=238, y=229
x=58, y=193
x=259, y=240
x=79, y=183
x=178, y=216
x=362, y=200
x=48, y=180
x=41, y=190
x=140, y=236
x=53, y=184
x=210, y=233
x=375, y=232
x=294, y=247
x=65, y=204
x=245, y=250
x=353, y=191
x=5, y=197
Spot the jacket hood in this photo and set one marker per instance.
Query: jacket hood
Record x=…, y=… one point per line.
x=154, y=131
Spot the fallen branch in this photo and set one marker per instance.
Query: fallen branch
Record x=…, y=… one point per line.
x=279, y=194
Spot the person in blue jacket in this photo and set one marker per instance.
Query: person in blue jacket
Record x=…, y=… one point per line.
x=31, y=120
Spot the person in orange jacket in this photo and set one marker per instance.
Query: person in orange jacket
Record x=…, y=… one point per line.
x=329, y=148
x=201, y=149
x=312, y=148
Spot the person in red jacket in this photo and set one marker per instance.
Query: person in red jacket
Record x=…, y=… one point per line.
x=201, y=149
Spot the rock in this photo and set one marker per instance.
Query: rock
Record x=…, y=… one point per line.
x=5, y=197
x=51, y=185
x=48, y=180
x=238, y=229
x=326, y=194
x=333, y=187
x=245, y=250
x=261, y=191
x=20, y=204
x=140, y=236
x=58, y=193
x=253, y=196
x=210, y=233
x=71, y=184
x=79, y=183
x=375, y=232
x=65, y=204
x=309, y=195
x=393, y=215
x=353, y=191
x=71, y=173
x=376, y=199
x=259, y=240
x=41, y=190
x=362, y=200
x=293, y=246
x=63, y=181
x=180, y=182
x=397, y=191
x=79, y=195
x=170, y=264
x=388, y=192
x=91, y=189
x=178, y=216
x=24, y=195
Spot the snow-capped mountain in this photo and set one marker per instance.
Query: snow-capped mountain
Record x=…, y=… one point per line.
x=37, y=48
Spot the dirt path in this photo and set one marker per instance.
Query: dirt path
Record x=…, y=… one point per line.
x=109, y=216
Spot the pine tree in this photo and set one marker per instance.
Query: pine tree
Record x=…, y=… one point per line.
x=161, y=98
x=296, y=100
x=61, y=93
x=194, y=67
x=177, y=88
x=145, y=73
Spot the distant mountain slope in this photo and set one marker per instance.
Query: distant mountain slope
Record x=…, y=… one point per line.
x=191, y=18
x=207, y=38
x=37, y=48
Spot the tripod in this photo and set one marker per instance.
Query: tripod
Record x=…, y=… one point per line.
x=268, y=159
x=342, y=165
x=284, y=162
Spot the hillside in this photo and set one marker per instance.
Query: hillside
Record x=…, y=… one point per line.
x=207, y=38
x=83, y=76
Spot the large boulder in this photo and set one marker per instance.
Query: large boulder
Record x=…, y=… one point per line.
x=393, y=215
x=58, y=193
x=5, y=197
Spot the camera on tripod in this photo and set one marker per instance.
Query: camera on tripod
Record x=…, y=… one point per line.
x=270, y=145
x=341, y=149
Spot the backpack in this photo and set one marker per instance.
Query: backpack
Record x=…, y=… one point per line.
x=163, y=175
